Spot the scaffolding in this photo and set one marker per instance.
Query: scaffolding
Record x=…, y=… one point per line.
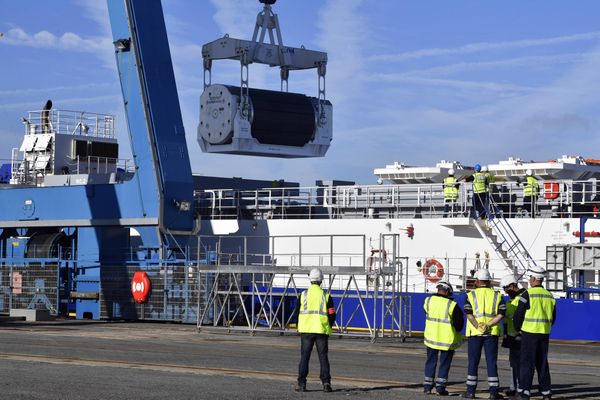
x=245, y=296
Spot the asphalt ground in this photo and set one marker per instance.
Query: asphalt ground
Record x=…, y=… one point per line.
x=100, y=360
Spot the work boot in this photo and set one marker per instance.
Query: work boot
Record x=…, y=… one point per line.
x=300, y=387
x=510, y=392
x=442, y=392
x=427, y=391
x=468, y=395
x=327, y=387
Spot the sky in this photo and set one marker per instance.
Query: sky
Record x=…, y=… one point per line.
x=410, y=81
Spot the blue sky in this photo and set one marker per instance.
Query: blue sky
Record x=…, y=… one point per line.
x=411, y=81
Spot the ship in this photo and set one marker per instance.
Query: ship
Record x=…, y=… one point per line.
x=88, y=235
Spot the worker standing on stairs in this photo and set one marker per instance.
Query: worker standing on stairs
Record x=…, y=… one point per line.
x=443, y=322
x=512, y=338
x=450, y=193
x=530, y=193
x=485, y=309
x=316, y=316
x=480, y=193
x=534, y=317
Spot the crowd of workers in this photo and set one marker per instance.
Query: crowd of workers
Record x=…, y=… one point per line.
x=527, y=316
x=483, y=185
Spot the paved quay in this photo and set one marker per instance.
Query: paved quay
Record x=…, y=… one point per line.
x=101, y=360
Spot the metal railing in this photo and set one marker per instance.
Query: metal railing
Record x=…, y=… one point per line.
x=100, y=165
x=70, y=123
x=556, y=198
x=31, y=285
x=253, y=296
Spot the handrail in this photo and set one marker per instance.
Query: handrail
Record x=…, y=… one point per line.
x=574, y=198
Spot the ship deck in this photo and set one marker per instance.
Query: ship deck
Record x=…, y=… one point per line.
x=101, y=360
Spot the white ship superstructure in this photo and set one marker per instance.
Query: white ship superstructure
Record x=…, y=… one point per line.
x=351, y=225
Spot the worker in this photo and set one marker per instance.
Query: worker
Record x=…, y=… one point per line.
x=512, y=338
x=46, y=123
x=493, y=198
x=530, y=193
x=480, y=193
x=450, y=193
x=316, y=316
x=534, y=317
x=485, y=309
x=443, y=322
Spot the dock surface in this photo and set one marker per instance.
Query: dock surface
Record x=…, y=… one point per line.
x=101, y=360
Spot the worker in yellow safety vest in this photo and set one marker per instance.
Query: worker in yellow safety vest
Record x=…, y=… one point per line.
x=512, y=338
x=443, y=322
x=531, y=191
x=316, y=316
x=480, y=193
x=485, y=309
x=450, y=192
x=534, y=317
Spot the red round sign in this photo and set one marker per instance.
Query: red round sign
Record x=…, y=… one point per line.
x=140, y=287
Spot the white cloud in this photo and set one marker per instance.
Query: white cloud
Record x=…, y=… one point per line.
x=27, y=91
x=67, y=41
x=486, y=46
x=529, y=61
x=457, y=84
x=65, y=102
x=235, y=17
x=343, y=33
x=97, y=11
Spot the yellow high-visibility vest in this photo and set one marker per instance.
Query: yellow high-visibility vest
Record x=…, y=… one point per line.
x=479, y=183
x=531, y=188
x=439, y=331
x=313, y=316
x=450, y=189
x=511, y=307
x=538, y=318
x=485, y=303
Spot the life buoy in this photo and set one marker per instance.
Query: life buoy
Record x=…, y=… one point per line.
x=140, y=287
x=433, y=270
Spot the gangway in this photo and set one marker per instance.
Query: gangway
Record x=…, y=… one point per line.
x=504, y=240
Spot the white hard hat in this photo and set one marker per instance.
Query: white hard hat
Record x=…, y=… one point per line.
x=537, y=272
x=316, y=275
x=484, y=168
x=451, y=171
x=446, y=286
x=483, y=275
x=528, y=172
x=507, y=280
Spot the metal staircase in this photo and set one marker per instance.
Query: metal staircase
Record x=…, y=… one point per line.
x=504, y=240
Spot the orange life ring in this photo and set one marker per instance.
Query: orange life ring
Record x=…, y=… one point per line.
x=140, y=286
x=433, y=270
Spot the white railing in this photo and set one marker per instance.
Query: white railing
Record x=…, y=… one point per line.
x=70, y=123
x=564, y=198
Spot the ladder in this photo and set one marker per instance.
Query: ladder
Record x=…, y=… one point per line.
x=504, y=240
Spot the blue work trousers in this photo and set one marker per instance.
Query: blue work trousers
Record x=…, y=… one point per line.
x=489, y=344
x=308, y=341
x=514, y=358
x=534, y=356
x=480, y=204
x=445, y=357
